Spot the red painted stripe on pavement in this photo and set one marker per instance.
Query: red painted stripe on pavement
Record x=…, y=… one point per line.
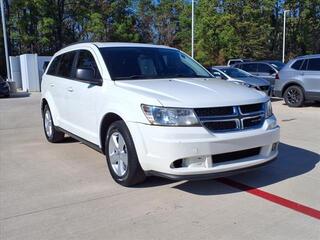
x=272, y=198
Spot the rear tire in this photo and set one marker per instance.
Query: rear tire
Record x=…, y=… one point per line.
x=121, y=156
x=294, y=96
x=52, y=134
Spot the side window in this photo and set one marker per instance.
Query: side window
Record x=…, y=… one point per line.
x=238, y=66
x=264, y=68
x=65, y=66
x=53, y=66
x=86, y=60
x=304, y=65
x=297, y=65
x=314, y=64
x=250, y=67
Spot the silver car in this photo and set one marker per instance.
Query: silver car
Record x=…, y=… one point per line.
x=240, y=77
x=299, y=81
x=263, y=69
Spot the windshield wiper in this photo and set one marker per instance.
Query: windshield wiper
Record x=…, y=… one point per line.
x=131, y=77
x=188, y=76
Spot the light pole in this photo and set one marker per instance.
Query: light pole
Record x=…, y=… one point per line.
x=284, y=34
x=192, y=29
x=5, y=39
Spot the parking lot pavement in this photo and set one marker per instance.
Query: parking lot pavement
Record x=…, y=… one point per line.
x=64, y=191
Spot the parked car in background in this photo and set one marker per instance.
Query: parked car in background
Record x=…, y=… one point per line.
x=238, y=60
x=276, y=63
x=153, y=110
x=263, y=70
x=299, y=81
x=241, y=77
x=4, y=88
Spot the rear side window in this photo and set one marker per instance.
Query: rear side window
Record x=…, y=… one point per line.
x=65, y=66
x=54, y=65
x=304, y=65
x=264, y=68
x=297, y=65
x=250, y=67
x=238, y=66
x=86, y=60
x=314, y=64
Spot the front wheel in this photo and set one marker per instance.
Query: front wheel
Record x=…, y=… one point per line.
x=294, y=96
x=121, y=156
x=52, y=134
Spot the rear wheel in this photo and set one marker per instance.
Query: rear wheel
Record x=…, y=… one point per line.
x=294, y=96
x=52, y=134
x=121, y=156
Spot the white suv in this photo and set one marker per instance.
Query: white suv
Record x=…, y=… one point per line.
x=153, y=110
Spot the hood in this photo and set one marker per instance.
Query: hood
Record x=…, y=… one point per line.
x=252, y=80
x=193, y=92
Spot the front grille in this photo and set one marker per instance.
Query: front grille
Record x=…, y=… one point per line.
x=221, y=125
x=252, y=121
x=245, y=109
x=218, y=111
x=231, y=118
x=231, y=156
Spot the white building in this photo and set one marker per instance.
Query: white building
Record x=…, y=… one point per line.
x=27, y=70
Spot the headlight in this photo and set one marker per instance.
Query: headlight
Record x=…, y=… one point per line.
x=268, y=109
x=245, y=84
x=170, y=116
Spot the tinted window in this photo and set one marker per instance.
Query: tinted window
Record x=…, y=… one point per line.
x=86, y=60
x=314, y=64
x=235, y=72
x=149, y=63
x=297, y=64
x=265, y=68
x=238, y=66
x=234, y=61
x=54, y=65
x=304, y=65
x=250, y=67
x=65, y=65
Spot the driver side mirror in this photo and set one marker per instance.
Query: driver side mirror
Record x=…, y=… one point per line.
x=88, y=75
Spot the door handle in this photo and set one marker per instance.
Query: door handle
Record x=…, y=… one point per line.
x=70, y=89
x=51, y=85
x=302, y=74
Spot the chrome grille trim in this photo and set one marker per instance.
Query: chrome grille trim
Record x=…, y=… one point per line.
x=238, y=116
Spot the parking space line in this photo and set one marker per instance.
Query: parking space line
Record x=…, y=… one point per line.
x=272, y=198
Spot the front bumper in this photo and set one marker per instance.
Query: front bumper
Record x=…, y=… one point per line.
x=158, y=147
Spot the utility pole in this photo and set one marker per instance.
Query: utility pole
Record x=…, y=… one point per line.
x=284, y=35
x=192, y=29
x=5, y=39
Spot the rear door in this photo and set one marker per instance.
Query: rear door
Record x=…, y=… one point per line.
x=311, y=76
x=63, y=77
x=267, y=72
x=250, y=68
x=82, y=99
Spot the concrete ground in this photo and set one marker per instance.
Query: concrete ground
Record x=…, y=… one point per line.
x=64, y=191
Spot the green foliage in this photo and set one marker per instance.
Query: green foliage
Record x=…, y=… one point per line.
x=223, y=28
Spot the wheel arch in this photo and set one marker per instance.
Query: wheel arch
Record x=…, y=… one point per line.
x=106, y=121
x=289, y=84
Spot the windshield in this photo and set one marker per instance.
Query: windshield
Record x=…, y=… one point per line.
x=277, y=64
x=126, y=63
x=235, y=72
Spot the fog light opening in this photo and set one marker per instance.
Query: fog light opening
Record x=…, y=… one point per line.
x=192, y=162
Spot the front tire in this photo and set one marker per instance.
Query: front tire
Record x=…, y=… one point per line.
x=294, y=96
x=52, y=134
x=121, y=156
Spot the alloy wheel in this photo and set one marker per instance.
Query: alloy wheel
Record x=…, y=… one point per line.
x=118, y=154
